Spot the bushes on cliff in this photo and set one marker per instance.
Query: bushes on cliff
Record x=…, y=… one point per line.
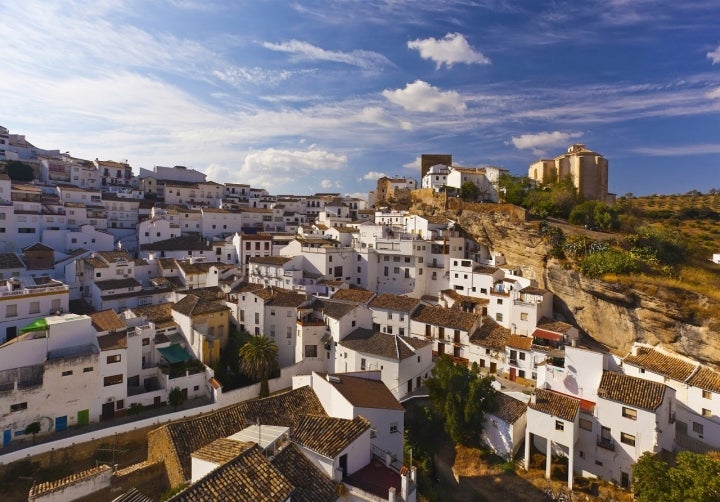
x=609, y=261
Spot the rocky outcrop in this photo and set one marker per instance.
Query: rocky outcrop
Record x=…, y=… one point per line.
x=612, y=314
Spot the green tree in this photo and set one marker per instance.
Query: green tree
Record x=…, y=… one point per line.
x=592, y=213
x=514, y=189
x=258, y=360
x=468, y=191
x=176, y=398
x=33, y=428
x=695, y=477
x=460, y=397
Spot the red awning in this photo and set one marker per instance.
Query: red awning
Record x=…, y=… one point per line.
x=547, y=335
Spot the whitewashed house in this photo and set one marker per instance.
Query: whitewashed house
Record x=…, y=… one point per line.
x=504, y=429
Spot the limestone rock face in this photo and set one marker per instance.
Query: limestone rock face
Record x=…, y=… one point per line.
x=612, y=314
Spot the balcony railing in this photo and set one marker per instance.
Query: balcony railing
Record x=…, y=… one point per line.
x=607, y=443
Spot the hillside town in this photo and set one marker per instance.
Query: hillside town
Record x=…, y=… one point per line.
x=121, y=287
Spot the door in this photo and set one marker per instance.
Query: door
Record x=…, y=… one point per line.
x=7, y=437
x=343, y=465
x=681, y=428
x=625, y=480
x=441, y=348
x=409, y=386
x=493, y=367
x=83, y=417
x=108, y=410
x=512, y=374
x=10, y=333
x=60, y=423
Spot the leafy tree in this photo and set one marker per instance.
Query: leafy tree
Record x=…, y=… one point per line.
x=695, y=477
x=258, y=359
x=460, y=397
x=19, y=171
x=514, y=189
x=176, y=398
x=593, y=213
x=33, y=428
x=609, y=261
x=468, y=191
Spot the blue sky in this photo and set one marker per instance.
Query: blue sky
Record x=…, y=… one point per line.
x=306, y=96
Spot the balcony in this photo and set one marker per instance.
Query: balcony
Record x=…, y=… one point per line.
x=607, y=443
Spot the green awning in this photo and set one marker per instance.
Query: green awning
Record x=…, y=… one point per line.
x=175, y=354
x=37, y=325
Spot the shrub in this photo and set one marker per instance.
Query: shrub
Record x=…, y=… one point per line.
x=611, y=261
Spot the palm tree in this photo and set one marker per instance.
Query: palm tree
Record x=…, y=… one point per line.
x=258, y=359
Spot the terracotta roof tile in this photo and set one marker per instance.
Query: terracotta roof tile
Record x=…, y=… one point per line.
x=354, y=295
x=397, y=303
x=155, y=313
x=328, y=436
x=186, y=243
x=311, y=484
x=364, y=392
x=113, y=341
x=509, y=409
x=662, y=364
x=107, y=320
x=490, y=334
x=222, y=450
x=192, y=305
x=555, y=404
x=395, y=347
x=249, y=476
x=519, y=342
x=10, y=260
x=706, y=379
x=44, y=489
x=448, y=318
x=117, y=284
x=631, y=390
x=335, y=310
x=271, y=260
x=553, y=325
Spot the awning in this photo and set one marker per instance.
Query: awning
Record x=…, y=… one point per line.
x=547, y=335
x=175, y=354
x=37, y=325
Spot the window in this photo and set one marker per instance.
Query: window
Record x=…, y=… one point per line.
x=257, y=318
x=11, y=311
x=88, y=369
x=288, y=334
x=272, y=312
x=363, y=364
x=310, y=350
x=697, y=428
x=499, y=301
x=18, y=407
x=706, y=413
x=629, y=413
x=523, y=316
x=401, y=332
x=272, y=331
x=67, y=373
x=521, y=355
x=706, y=394
x=56, y=305
x=499, y=317
x=559, y=425
x=585, y=424
x=628, y=439
x=112, y=380
x=113, y=359
x=34, y=307
x=394, y=428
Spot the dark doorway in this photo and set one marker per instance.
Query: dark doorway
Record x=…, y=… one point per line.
x=10, y=333
x=512, y=374
x=343, y=465
x=108, y=410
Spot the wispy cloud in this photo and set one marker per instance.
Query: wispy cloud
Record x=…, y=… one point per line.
x=714, y=94
x=237, y=76
x=451, y=49
x=714, y=55
x=307, y=51
x=539, y=141
x=420, y=96
x=414, y=164
x=681, y=150
x=372, y=176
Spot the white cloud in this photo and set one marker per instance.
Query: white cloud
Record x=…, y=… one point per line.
x=326, y=184
x=305, y=50
x=260, y=76
x=372, y=176
x=714, y=55
x=415, y=164
x=451, y=49
x=423, y=97
x=714, y=94
x=358, y=195
x=536, y=142
x=682, y=150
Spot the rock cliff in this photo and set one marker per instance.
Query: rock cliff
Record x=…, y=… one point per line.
x=612, y=314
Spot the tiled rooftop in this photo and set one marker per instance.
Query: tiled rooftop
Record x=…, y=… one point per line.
x=354, y=295
x=328, y=436
x=10, y=260
x=222, y=450
x=44, y=489
x=509, y=409
x=490, y=334
x=555, y=404
x=335, y=310
x=519, y=342
x=364, y=392
x=394, y=347
x=553, y=325
x=397, y=303
x=249, y=476
x=706, y=379
x=631, y=390
x=311, y=484
x=448, y=318
x=192, y=305
x=653, y=360
x=186, y=243
x=107, y=320
x=117, y=284
x=271, y=260
x=113, y=341
x=155, y=313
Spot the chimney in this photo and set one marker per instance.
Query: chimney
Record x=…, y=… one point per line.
x=391, y=494
x=404, y=483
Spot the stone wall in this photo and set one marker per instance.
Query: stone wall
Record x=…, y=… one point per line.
x=148, y=478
